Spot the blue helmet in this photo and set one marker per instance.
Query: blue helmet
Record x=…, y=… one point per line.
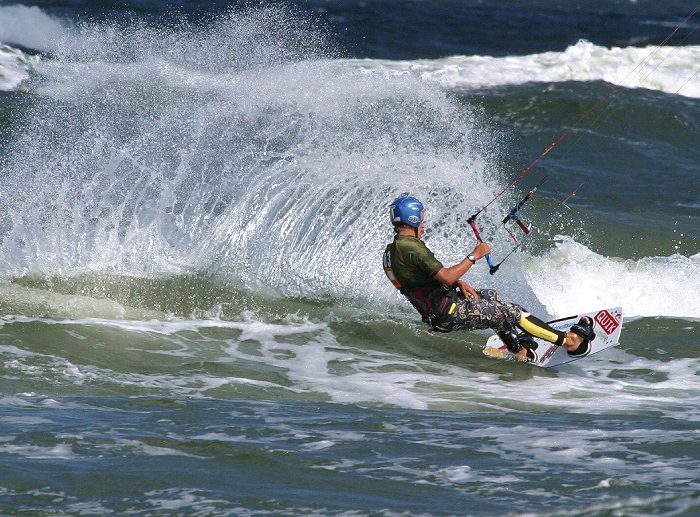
x=407, y=210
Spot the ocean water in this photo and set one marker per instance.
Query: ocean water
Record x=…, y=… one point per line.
x=193, y=207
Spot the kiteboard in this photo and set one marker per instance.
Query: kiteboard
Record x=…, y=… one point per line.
x=607, y=325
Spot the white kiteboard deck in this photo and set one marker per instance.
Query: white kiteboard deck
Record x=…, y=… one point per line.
x=607, y=325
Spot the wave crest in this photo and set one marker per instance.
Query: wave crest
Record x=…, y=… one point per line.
x=667, y=69
x=570, y=278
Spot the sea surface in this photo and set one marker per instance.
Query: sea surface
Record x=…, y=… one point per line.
x=193, y=206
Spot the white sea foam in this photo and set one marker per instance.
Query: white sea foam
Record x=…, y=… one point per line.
x=313, y=361
x=60, y=451
x=26, y=420
x=30, y=27
x=606, y=453
x=318, y=366
x=571, y=278
x=321, y=365
x=140, y=447
x=564, y=448
x=180, y=500
x=251, y=327
x=15, y=67
x=668, y=69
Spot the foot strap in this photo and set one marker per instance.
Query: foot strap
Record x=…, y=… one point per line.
x=511, y=342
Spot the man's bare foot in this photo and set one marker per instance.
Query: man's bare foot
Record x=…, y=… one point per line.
x=521, y=355
x=580, y=333
x=573, y=341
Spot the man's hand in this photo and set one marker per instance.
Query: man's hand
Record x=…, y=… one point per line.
x=481, y=250
x=465, y=290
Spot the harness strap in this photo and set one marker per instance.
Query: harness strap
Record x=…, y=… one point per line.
x=435, y=302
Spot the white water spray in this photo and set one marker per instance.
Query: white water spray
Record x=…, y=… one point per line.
x=237, y=150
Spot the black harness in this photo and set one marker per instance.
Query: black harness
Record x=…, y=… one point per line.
x=435, y=302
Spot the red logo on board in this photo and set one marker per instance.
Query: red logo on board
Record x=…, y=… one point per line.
x=607, y=322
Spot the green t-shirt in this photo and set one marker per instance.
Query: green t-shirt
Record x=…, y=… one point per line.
x=411, y=262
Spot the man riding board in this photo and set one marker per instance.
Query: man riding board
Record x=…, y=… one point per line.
x=448, y=303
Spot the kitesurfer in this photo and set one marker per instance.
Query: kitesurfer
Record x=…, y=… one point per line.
x=448, y=303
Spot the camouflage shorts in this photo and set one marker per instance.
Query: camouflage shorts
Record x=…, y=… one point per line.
x=488, y=311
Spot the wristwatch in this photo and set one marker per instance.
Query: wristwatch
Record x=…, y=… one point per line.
x=472, y=258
